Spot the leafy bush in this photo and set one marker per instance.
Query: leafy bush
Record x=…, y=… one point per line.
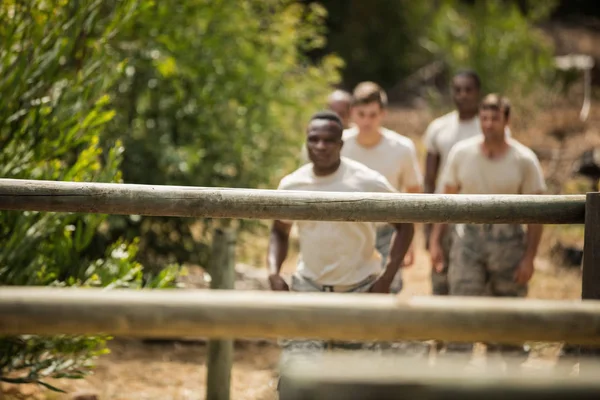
x=496, y=38
x=377, y=39
x=55, y=68
x=216, y=93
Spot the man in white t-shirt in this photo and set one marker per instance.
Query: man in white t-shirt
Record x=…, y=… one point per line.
x=441, y=135
x=490, y=259
x=334, y=256
x=387, y=152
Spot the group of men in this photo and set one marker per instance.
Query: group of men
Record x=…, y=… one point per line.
x=469, y=151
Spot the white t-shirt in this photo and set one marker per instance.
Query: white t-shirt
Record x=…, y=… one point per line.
x=394, y=157
x=337, y=253
x=518, y=171
x=444, y=132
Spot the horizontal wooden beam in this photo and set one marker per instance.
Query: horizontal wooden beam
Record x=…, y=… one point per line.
x=364, y=375
x=255, y=314
x=178, y=201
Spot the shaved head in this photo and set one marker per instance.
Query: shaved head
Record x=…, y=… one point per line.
x=340, y=101
x=339, y=95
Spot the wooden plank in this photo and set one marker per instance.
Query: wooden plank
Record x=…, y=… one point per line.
x=177, y=201
x=590, y=281
x=590, y=289
x=220, y=352
x=363, y=376
x=257, y=314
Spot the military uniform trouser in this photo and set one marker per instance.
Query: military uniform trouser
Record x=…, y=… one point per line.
x=309, y=348
x=484, y=259
x=483, y=262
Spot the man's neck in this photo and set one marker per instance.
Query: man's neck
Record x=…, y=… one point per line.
x=494, y=149
x=369, y=139
x=467, y=115
x=321, y=172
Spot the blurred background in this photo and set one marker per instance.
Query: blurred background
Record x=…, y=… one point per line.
x=218, y=93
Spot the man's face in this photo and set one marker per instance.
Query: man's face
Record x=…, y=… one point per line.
x=368, y=117
x=324, y=143
x=465, y=93
x=493, y=124
x=341, y=108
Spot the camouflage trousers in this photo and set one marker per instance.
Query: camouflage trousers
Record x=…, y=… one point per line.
x=483, y=262
x=295, y=348
x=484, y=259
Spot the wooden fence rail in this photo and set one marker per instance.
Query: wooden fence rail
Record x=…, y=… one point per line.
x=178, y=201
x=228, y=314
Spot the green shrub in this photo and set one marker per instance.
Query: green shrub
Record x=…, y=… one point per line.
x=56, y=66
x=216, y=93
x=496, y=38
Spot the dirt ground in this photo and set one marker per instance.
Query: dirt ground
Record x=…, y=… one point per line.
x=177, y=371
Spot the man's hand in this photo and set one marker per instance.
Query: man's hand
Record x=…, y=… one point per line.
x=525, y=271
x=437, y=256
x=278, y=284
x=382, y=284
x=409, y=257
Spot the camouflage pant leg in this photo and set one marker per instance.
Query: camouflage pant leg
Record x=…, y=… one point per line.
x=467, y=269
x=303, y=347
x=353, y=344
x=300, y=347
x=505, y=248
x=439, y=280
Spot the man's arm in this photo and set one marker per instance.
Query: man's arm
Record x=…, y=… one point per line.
x=437, y=232
x=401, y=241
x=277, y=253
x=414, y=189
x=533, y=183
x=526, y=267
x=534, y=236
x=432, y=165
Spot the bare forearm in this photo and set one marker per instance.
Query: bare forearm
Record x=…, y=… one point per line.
x=534, y=236
x=401, y=241
x=278, y=250
x=432, y=165
x=437, y=232
x=429, y=185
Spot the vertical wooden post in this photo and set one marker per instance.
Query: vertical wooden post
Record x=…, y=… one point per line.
x=590, y=281
x=220, y=352
x=590, y=285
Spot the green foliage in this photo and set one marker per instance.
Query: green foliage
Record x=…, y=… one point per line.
x=496, y=39
x=376, y=38
x=216, y=93
x=55, y=68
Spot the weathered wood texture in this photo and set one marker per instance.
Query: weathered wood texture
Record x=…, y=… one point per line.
x=366, y=376
x=220, y=351
x=227, y=314
x=591, y=249
x=177, y=201
x=590, y=282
